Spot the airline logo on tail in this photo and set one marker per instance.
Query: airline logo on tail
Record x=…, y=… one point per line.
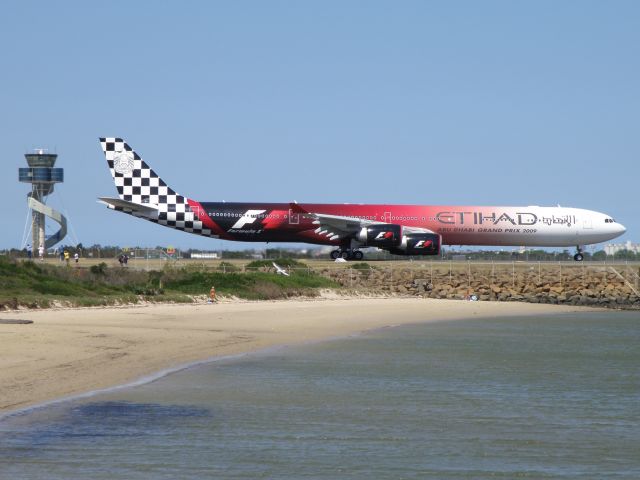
x=123, y=163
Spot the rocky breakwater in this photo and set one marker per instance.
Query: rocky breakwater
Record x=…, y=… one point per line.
x=589, y=286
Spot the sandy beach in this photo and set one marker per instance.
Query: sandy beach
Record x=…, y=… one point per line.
x=72, y=351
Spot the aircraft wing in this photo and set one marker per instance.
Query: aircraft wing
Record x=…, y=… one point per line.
x=338, y=226
x=118, y=204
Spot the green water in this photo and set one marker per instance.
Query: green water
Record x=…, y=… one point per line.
x=546, y=397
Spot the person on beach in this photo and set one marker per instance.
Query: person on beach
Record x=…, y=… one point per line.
x=29, y=254
x=67, y=257
x=41, y=252
x=212, y=294
x=76, y=257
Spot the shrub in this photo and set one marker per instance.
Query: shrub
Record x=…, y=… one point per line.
x=100, y=269
x=361, y=266
x=227, y=267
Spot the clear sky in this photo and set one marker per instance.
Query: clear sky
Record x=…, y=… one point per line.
x=425, y=102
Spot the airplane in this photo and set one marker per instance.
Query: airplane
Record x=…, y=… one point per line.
x=398, y=229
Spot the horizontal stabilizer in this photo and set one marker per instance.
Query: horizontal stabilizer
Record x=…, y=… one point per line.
x=119, y=204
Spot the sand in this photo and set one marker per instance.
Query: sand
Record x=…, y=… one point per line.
x=68, y=352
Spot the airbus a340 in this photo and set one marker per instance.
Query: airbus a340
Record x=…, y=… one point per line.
x=399, y=229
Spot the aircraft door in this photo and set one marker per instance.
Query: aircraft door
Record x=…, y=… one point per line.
x=199, y=212
x=587, y=223
x=294, y=218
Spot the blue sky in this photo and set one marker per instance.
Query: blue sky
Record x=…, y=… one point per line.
x=472, y=103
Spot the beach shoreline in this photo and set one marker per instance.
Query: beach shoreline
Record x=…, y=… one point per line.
x=69, y=352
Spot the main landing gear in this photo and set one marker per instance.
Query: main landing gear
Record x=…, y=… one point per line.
x=347, y=254
x=578, y=257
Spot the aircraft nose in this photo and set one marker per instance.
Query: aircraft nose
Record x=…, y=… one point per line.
x=620, y=229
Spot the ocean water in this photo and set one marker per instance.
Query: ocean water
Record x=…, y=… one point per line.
x=530, y=397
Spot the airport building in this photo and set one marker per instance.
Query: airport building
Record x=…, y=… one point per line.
x=613, y=248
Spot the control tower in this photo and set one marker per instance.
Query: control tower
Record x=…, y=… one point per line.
x=42, y=177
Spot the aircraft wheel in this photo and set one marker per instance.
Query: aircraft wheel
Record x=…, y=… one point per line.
x=335, y=254
x=345, y=254
x=578, y=257
x=358, y=255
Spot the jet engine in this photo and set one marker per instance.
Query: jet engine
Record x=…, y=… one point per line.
x=418, y=244
x=381, y=236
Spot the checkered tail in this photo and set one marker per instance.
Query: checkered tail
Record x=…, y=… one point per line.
x=138, y=184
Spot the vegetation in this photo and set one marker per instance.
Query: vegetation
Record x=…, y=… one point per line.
x=361, y=266
x=227, y=267
x=282, y=262
x=250, y=285
x=34, y=285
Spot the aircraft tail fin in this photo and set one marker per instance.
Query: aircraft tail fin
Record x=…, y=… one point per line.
x=144, y=194
x=135, y=181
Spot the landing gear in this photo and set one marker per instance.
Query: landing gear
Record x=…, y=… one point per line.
x=578, y=257
x=347, y=254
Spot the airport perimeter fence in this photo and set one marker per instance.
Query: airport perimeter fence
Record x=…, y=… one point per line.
x=423, y=276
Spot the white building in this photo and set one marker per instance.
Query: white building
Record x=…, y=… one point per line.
x=204, y=255
x=613, y=248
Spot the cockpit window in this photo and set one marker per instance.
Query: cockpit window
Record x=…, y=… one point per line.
x=609, y=220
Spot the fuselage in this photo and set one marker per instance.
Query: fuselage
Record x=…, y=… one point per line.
x=458, y=225
x=399, y=229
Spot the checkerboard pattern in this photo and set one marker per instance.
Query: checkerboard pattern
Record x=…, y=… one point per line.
x=137, y=183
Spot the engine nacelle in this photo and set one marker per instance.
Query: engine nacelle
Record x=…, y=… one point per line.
x=418, y=244
x=381, y=236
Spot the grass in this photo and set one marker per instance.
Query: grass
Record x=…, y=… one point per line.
x=281, y=262
x=250, y=285
x=34, y=285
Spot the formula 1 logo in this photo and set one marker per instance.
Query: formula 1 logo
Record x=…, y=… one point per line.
x=384, y=236
x=424, y=244
x=247, y=218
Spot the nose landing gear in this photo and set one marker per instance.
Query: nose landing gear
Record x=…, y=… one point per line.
x=578, y=257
